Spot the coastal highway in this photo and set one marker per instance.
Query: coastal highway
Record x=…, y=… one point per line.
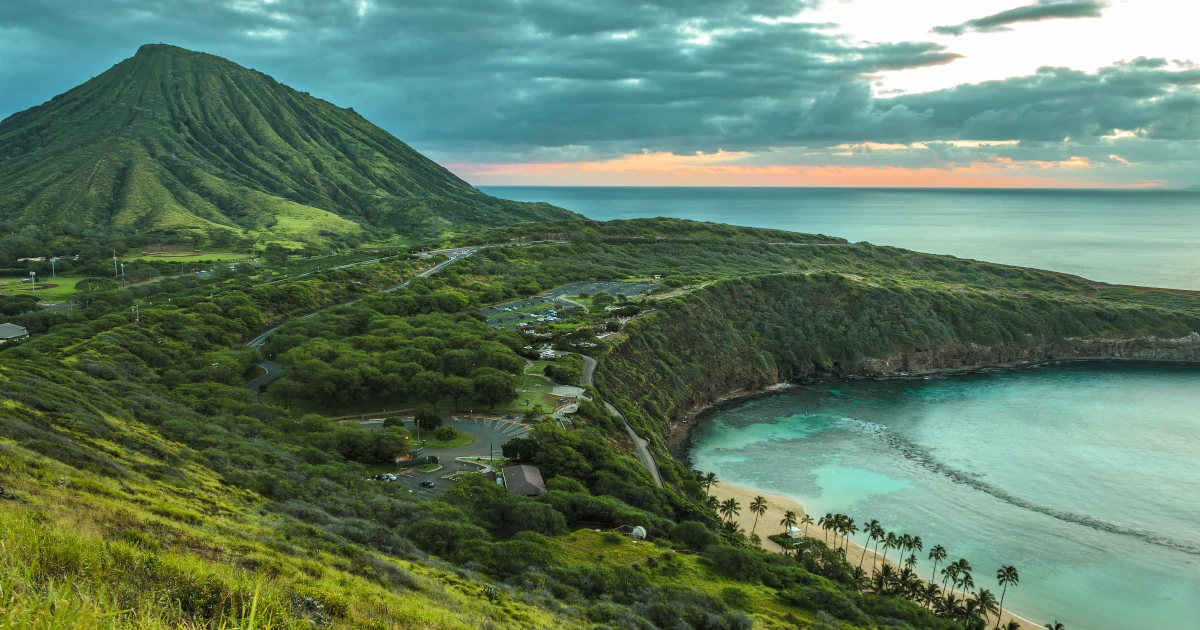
x=640, y=445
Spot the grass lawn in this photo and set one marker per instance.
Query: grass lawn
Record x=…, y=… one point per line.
x=48, y=289
x=538, y=367
x=527, y=399
x=463, y=439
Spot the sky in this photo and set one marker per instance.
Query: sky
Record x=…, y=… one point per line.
x=979, y=93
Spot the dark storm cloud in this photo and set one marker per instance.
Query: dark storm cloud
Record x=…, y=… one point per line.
x=1036, y=12
x=487, y=80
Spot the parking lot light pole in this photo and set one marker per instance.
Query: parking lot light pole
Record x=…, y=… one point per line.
x=33, y=280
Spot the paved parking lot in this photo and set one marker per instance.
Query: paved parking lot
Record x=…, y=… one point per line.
x=490, y=432
x=629, y=289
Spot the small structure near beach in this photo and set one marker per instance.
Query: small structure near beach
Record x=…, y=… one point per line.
x=524, y=480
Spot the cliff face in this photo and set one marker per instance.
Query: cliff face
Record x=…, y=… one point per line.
x=954, y=356
x=745, y=336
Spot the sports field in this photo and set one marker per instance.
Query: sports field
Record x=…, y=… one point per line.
x=48, y=289
x=189, y=256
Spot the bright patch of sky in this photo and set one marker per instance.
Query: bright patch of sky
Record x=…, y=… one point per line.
x=1125, y=30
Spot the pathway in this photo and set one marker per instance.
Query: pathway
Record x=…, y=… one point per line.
x=272, y=371
x=640, y=445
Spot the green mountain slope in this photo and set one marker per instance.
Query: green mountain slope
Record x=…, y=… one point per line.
x=182, y=142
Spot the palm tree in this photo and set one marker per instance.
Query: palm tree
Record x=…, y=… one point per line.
x=860, y=579
x=916, y=544
x=807, y=520
x=1055, y=626
x=907, y=580
x=789, y=521
x=730, y=508
x=937, y=554
x=712, y=502
x=1012, y=624
x=949, y=572
x=710, y=480
x=884, y=579
x=910, y=562
x=971, y=611
x=1006, y=575
x=890, y=542
x=825, y=522
x=931, y=593
x=966, y=582
x=878, y=532
x=906, y=543
x=758, y=507
x=849, y=529
x=987, y=604
x=869, y=530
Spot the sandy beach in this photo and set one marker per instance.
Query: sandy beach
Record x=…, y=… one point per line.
x=768, y=524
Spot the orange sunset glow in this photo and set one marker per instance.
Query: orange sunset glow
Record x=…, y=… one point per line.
x=722, y=169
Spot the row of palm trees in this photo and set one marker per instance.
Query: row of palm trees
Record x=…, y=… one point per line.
x=947, y=600
x=975, y=611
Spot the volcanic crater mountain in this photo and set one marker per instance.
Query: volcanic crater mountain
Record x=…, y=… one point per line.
x=184, y=143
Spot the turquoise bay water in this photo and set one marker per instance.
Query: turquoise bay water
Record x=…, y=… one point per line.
x=1142, y=237
x=1086, y=477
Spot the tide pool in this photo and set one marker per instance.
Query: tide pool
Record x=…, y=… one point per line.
x=1086, y=477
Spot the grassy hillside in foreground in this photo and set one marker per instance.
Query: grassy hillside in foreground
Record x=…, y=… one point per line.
x=150, y=488
x=182, y=143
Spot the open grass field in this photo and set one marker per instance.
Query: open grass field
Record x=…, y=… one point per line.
x=189, y=256
x=538, y=367
x=48, y=289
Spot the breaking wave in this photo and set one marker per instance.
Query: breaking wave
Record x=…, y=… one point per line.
x=925, y=459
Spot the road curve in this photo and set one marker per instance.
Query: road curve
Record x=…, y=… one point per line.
x=640, y=445
x=273, y=371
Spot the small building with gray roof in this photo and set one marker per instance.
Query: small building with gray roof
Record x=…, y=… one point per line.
x=11, y=332
x=524, y=480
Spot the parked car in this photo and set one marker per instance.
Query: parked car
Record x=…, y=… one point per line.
x=426, y=484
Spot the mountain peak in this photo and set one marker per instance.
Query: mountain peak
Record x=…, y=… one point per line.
x=161, y=143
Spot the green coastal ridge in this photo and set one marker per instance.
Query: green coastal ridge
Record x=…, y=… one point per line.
x=145, y=486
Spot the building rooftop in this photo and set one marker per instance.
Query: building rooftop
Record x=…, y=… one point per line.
x=12, y=331
x=524, y=480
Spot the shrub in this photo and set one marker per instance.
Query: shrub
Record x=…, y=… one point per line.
x=612, y=538
x=446, y=433
x=428, y=419
x=694, y=535
x=735, y=597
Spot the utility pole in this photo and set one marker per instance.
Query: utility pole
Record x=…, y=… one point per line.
x=52, y=259
x=33, y=280
x=114, y=263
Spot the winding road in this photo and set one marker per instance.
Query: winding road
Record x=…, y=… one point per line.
x=275, y=370
x=640, y=445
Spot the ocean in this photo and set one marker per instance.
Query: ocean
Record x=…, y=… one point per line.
x=1086, y=477
x=1083, y=476
x=1140, y=237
